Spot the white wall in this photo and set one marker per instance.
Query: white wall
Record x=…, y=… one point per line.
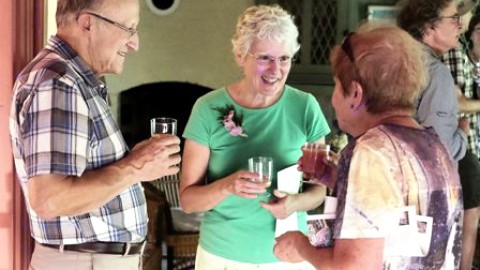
x=50, y=23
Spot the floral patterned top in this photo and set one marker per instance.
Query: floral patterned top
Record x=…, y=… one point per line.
x=390, y=167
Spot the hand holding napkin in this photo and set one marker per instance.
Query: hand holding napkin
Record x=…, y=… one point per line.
x=288, y=181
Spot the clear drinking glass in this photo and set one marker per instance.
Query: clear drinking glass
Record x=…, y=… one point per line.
x=163, y=125
x=263, y=166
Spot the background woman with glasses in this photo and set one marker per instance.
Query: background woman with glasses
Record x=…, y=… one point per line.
x=259, y=115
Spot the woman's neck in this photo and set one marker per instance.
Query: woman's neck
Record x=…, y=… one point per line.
x=244, y=95
x=401, y=119
x=367, y=121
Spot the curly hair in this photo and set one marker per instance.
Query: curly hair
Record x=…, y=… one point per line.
x=416, y=15
x=388, y=63
x=69, y=9
x=264, y=22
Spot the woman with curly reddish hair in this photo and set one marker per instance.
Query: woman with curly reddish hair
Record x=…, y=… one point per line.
x=399, y=203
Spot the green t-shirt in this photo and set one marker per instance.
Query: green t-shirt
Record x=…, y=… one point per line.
x=238, y=228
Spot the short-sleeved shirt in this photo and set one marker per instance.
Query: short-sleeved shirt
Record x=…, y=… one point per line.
x=391, y=167
x=238, y=228
x=60, y=123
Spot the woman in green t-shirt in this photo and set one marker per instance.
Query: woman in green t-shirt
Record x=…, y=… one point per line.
x=256, y=116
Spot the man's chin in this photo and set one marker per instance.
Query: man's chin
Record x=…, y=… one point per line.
x=116, y=70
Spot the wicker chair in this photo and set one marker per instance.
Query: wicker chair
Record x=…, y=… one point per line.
x=172, y=99
x=181, y=239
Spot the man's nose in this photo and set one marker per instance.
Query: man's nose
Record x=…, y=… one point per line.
x=134, y=43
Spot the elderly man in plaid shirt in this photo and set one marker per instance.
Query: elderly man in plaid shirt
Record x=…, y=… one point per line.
x=81, y=183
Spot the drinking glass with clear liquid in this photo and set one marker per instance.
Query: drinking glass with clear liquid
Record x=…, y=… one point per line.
x=263, y=166
x=163, y=125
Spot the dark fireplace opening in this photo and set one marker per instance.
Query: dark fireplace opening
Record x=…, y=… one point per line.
x=141, y=103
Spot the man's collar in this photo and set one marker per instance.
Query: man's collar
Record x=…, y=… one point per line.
x=62, y=48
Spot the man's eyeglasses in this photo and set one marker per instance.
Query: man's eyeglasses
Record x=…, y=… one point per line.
x=456, y=18
x=263, y=59
x=131, y=31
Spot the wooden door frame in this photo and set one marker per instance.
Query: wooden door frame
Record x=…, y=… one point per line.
x=28, y=39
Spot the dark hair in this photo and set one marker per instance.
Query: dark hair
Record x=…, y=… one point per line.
x=416, y=15
x=67, y=9
x=474, y=21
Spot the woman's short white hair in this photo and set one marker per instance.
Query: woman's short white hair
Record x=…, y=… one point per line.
x=264, y=22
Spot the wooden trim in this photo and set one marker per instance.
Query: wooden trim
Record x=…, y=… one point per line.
x=28, y=29
x=23, y=243
x=6, y=160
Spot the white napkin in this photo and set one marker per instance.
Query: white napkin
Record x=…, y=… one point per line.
x=288, y=180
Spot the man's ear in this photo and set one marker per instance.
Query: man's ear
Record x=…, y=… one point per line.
x=429, y=28
x=84, y=20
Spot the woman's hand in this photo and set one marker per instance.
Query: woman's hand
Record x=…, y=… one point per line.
x=282, y=206
x=239, y=184
x=325, y=169
x=287, y=246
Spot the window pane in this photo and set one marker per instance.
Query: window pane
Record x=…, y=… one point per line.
x=324, y=30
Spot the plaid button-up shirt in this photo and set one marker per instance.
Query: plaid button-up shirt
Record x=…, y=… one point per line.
x=461, y=68
x=60, y=123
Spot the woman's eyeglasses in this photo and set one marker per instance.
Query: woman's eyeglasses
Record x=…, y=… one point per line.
x=263, y=59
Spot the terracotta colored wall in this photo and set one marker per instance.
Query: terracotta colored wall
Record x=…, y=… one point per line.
x=6, y=163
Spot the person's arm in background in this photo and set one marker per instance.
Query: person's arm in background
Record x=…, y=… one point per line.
x=455, y=61
x=467, y=105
